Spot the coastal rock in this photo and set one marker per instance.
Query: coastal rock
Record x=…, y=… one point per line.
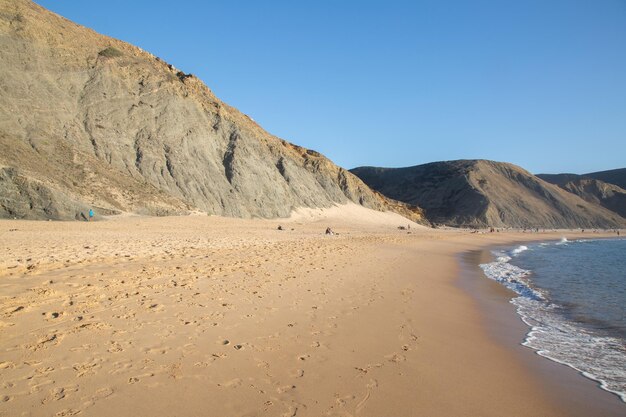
x=101, y=123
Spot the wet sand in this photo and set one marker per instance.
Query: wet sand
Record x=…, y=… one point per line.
x=210, y=316
x=567, y=387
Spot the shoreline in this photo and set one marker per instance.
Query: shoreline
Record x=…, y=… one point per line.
x=568, y=387
x=216, y=316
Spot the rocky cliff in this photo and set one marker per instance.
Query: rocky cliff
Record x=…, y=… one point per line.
x=483, y=193
x=612, y=176
x=607, y=195
x=90, y=121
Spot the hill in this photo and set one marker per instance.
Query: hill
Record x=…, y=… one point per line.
x=613, y=176
x=91, y=121
x=595, y=191
x=479, y=193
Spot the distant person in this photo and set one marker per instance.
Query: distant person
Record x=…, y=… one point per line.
x=90, y=215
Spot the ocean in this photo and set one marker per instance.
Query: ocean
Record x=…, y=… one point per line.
x=572, y=294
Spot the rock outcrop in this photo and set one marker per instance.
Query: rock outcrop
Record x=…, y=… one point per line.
x=607, y=195
x=612, y=176
x=90, y=121
x=479, y=193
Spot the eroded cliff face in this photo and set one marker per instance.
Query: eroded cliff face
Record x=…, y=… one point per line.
x=98, y=122
x=609, y=196
x=481, y=193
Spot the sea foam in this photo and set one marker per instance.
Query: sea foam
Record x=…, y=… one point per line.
x=509, y=275
x=519, y=250
x=551, y=334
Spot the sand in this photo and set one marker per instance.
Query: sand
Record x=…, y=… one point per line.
x=209, y=316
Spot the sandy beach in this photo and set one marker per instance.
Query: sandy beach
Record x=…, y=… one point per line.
x=209, y=316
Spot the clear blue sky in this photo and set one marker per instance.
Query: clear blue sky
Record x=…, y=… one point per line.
x=539, y=83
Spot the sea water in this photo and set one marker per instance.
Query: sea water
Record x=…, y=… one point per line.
x=572, y=294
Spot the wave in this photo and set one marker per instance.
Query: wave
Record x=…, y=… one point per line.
x=512, y=277
x=600, y=358
x=519, y=250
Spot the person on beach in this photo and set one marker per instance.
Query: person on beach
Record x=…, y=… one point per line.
x=90, y=215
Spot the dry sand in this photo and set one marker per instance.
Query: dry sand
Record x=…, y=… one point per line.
x=208, y=316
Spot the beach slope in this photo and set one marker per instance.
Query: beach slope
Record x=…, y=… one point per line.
x=211, y=316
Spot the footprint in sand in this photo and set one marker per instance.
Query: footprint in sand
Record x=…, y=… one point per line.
x=202, y=364
x=86, y=346
x=43, y=371
x=100, y=394
x=103, y=393
x=368, y=368
x=59, y=393
x=156, y=351
x=121, y=367
x=395, y=358
x=262, y=364
x=174, y=371
x=44, y=342
x=370, y=386
x=233, y=383
x=51, y=315
x=37, y=387
x=68, y=412
x=292, y=411
x=87, y=368
x=136, y=379
x=343, y=401
x=285, y=388
x=219, y=355
x=115, y=347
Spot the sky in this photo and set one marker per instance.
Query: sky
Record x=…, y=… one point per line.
x=541, y=84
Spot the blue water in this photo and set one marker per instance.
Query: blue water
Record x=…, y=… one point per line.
x=573, y=296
